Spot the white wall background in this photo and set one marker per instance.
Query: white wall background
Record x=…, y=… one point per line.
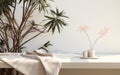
x=96, y=14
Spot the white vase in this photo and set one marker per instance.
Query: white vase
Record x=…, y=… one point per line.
x=91, y=53
x=85, y=54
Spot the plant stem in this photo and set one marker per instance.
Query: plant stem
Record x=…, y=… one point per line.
x=88, y=39
x=96, y=41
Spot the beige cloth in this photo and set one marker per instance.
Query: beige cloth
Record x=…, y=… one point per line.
x=38, y=53
x=33, y=64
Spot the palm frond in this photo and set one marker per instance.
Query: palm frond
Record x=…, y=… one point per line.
x=56, y=21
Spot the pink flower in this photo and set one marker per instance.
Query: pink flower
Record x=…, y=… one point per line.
x=83, y=28
x=104, y=31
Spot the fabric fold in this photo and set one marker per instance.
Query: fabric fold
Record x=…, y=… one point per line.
x=36, y=52
x=34, y=64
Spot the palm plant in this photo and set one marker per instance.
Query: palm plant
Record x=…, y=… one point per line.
x=13, y=32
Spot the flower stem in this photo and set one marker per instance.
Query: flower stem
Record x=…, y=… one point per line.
x=88, y=39
x=96, y=41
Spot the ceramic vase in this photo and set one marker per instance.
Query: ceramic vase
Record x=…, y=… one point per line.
x=91, y=53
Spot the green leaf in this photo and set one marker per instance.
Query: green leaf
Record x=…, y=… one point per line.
x=51, y=25
x=48, y=23
x=44, y=49
x=60, y=24
x=63, y=23
x=58, y=27
x=56, y=21
x=53, y=28
x=57, y=11
x=47, y=44
x=49, y=17
x=53, y=12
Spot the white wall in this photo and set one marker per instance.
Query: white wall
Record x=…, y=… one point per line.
x=96, y=14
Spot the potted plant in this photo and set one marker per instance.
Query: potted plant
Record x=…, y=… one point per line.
x=91, y=52
x=14, y=32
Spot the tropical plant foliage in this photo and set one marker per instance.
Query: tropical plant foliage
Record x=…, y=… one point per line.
x=13, y=32
x=45, y=46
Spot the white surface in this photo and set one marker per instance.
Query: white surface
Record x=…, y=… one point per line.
x=103, y=62
x=73, y=61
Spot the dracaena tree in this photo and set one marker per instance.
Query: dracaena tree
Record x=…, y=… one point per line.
x=14, y=32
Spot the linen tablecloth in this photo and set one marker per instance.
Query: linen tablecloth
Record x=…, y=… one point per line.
x=33, y=64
